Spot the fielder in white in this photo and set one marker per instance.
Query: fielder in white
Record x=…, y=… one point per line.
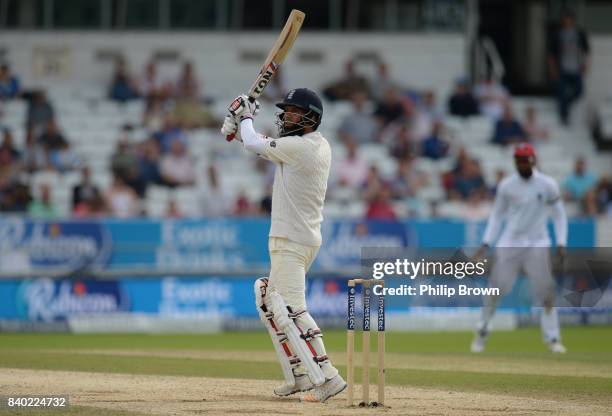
x=525, y=201
x=303, y=158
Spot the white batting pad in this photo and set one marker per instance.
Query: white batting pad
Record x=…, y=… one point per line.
x=266, y=315
x=297, y=343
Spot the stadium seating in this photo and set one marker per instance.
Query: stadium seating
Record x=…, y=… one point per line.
x=93, y=124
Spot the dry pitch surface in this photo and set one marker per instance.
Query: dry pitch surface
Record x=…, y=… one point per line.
x=428, y=374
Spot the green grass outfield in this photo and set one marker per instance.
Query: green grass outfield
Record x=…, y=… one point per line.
x=516, y=363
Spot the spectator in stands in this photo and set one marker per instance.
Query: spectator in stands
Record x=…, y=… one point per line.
x=124, y=161
x=189, y=111
x=9, y=176
x=353, y=169
x=95, y=207
x=176, y=166
x=390, y=109
x=242, y=205
x=448, y=178
x=52, y=138
x=602, y=196
x=187, y=86
x=150, y=85
x=468, y=181
x=85, y=190
x=507, y=129
x=60, y=156
x=428, y=104
x=373, y=183
x=500, y=174
x=424, y=115
x=380, y=206
x=64, y=159
x=43, y=208
x=170, y=132
x=9, y=159
x=214, y=201
x=172, y=210
x=154, y=114
x=568, y=62
x=265, y=205
x=402, y=143
x=15, y=198
x=122, y=88
x=492, y=97
x=462, y=102
x=121, y=200
x=9, y=84
x=578, y=183
x=8, y=144
x=408, y=179
x=534, y=131
x=383, y=82
x=148, y=162
x=359, y=126
x=435, y=146
x=345, y=87
x=40, y=112
x=34, y=155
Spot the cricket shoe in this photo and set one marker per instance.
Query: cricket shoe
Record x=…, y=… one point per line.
x=556, y=347
x=478, y=345
x=326, y=390
x=302, y=383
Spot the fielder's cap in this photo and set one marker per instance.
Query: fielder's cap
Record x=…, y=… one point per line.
x=524, y=150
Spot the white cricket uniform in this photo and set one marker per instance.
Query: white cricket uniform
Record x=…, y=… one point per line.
x=298, y=194
x=525, y=205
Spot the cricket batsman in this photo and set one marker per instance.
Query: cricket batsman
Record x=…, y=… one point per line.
x=302, y=157
x=525, y=201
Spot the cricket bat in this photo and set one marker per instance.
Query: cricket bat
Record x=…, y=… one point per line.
x=276, y=56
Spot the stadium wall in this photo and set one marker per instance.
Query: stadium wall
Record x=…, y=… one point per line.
x=426, y=60
x=226, y=60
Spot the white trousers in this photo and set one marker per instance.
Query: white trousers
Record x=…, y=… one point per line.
x=536, y=264
x=290, y=262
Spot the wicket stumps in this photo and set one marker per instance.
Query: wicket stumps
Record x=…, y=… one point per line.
x=350, y=342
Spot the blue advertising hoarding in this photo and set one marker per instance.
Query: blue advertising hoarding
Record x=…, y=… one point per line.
x=47, y=300
x=30, y=246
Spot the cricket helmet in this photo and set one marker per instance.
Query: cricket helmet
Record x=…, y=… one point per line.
x=307, y=100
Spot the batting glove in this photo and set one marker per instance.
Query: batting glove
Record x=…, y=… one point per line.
x=242, y=107
x=230, y=129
